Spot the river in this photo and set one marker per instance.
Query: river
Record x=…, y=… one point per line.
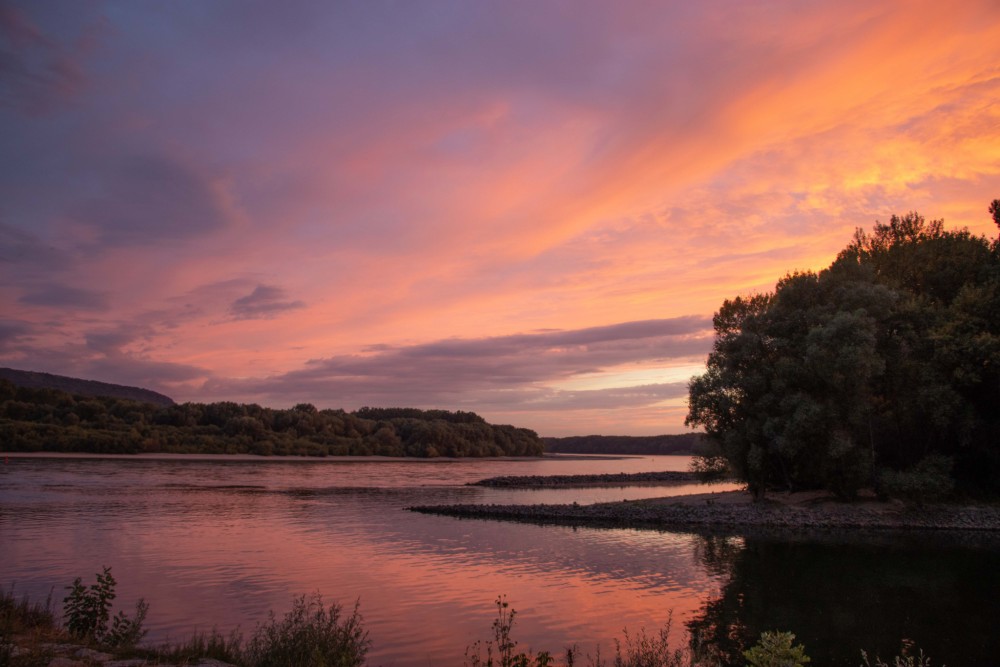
x=218, y=542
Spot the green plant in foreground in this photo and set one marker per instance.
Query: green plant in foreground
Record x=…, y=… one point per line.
x=503, y=645
x=774, y=649
x=904, y=660
x=87, y=610
x=312, y=634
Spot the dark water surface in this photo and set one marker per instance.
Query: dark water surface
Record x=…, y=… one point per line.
x=221, y=542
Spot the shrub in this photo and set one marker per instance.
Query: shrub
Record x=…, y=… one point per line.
x=710, y=468
x=649, y=650
x=310, y=635
x=928, y=480
x=774, y=649
x=919, y=660
x=87, y=611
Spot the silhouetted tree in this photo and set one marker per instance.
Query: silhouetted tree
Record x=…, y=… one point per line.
x=889, y=356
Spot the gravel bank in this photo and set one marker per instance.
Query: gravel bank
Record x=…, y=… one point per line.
x=734, y=510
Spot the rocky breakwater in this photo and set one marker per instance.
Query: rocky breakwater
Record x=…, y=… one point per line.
x=564, y=481
x=735, y=510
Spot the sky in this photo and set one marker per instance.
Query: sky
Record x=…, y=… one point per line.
x=529, y=210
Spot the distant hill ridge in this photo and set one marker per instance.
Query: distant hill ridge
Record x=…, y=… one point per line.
x=684, y=443
x=35, y=380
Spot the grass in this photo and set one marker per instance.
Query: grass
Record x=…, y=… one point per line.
x=316, y=634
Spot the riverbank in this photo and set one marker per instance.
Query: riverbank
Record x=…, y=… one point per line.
x=735, y=510
x=259, y=458
x=585, y=481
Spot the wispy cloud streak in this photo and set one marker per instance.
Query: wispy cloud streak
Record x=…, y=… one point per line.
x=490, y=206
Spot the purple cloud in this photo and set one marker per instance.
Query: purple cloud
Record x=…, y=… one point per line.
x=37, y=74
x=265, y=302
x=13, y=331
x=480, y=374
x=148, y=199
x=63, y=296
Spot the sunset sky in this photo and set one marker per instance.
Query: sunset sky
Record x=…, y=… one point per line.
x=530, y=210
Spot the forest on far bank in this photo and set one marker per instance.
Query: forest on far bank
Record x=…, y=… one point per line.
x=49, y=420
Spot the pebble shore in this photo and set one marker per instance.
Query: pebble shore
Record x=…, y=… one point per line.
x=728, y=511
x=75, y=655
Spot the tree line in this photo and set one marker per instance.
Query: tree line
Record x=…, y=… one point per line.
x=881, y=371
x=49, y=420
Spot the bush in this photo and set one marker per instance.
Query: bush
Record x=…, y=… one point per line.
x=903, y=660
x=310, y=635
x=649, y=651
x=87, y=611
x=774, y=649
x=929, y=480
x=710, y=468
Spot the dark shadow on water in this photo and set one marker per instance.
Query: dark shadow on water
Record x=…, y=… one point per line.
x=843, y=593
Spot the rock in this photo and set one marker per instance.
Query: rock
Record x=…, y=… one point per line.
x=92, y=655
x=62, y=661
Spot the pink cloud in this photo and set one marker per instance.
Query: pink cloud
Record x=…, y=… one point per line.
x=234, y=197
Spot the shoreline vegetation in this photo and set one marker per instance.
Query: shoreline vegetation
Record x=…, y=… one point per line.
x=319, y=634
x=51, y=420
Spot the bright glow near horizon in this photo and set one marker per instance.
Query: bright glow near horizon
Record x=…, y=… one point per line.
x=526, y=211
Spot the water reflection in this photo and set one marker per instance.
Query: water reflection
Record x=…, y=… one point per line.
x=221, y=543
x=843, y=593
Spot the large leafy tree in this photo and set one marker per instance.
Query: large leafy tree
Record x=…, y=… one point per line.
x=889, y=356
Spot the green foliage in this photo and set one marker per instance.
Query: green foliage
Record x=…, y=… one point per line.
x=930, y=479
x=888, y=356
x=312, y=634
x=87, y=614
x=50, y=420
x=774, y=649
x=710, y=468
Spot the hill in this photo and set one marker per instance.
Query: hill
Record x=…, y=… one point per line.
x=686, y=443
x=52, y=420
x=34, y=380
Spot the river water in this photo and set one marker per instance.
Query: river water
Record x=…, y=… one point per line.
x=218, y=542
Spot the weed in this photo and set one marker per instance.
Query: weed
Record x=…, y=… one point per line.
x=87, y=612
x=213, y=645
x=310, y=635
x=904, y=659
x=503, y=644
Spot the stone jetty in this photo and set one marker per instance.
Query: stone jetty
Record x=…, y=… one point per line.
x=735, y=511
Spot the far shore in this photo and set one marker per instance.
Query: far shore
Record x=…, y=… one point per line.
x=735, y=511
x=316, y=459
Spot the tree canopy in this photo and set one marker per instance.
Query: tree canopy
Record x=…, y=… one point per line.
x=881, y=370
x=38, y=419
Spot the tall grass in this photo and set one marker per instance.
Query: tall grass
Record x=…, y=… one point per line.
x=316, y=634
x=22, y=621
